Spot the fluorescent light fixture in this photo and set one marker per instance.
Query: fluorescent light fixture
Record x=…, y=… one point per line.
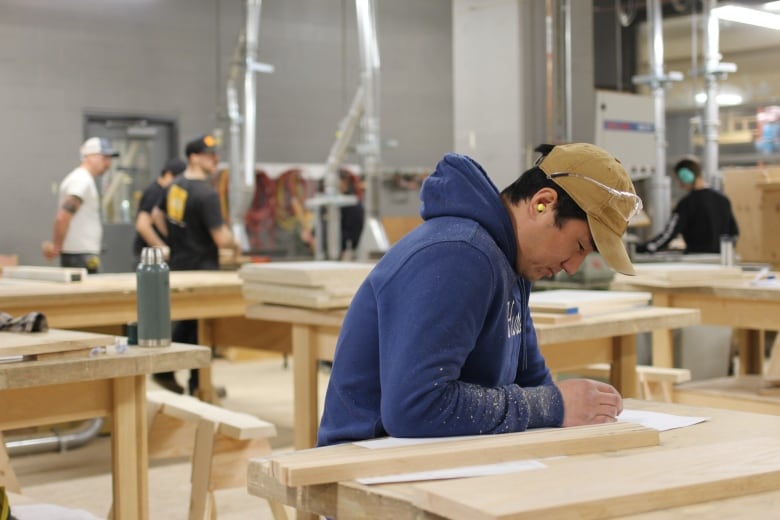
x=724, y=100
x=772, y=6
x=748, y=16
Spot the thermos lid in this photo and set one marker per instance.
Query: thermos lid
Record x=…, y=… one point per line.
x=152, y=255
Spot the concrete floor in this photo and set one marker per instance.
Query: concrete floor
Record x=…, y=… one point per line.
x=81, y=478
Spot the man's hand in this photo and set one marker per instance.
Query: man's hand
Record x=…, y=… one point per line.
x=50, y=251
x=589, y=402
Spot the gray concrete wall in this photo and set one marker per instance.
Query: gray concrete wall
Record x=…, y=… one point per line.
x=60, y=60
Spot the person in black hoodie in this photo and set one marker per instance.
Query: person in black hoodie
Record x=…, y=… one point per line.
x=702, y=216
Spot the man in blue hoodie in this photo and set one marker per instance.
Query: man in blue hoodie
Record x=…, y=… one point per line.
x=439, y=341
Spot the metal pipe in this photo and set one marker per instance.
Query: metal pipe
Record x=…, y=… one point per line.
x=373, y=238
x=711, y=122
x=251, y=31
x=332, y=177
x=568, y=126
x=549, y=26
x=236, y=180
x=660, y=186
x=332, y=198
x=59, y=441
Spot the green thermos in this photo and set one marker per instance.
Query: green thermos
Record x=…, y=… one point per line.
x=153, y=292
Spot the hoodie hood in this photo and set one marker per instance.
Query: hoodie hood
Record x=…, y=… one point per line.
x=460, y=187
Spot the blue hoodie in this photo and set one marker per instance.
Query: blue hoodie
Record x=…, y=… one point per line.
x=438, y=340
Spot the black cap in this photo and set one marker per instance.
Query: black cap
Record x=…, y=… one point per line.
x=203, y=144
x=175, y=166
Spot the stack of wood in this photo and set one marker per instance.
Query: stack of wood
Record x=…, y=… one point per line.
x=49, y=274
x=566, y=305
x=683, y=274
x=315, y=285
x=54, y=343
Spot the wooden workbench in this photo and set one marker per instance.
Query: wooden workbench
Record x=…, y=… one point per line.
x=349, y=499
x=109, y=299
x=106, y=302
x=734, y=303
x=604, y=338
x=63, y=389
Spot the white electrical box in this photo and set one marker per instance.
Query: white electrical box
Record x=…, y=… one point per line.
x=625, y=127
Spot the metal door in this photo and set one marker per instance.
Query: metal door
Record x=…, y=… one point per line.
x=144, y=144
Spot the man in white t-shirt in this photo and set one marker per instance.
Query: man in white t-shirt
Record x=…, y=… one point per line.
x=78, y=231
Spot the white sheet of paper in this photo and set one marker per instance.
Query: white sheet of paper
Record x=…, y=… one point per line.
x=460, y=472
x=393, y=442
x=659, y=421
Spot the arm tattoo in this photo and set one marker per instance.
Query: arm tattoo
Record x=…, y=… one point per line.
x=71, y=204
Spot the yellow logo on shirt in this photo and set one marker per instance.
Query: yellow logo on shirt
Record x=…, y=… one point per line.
x=177, y=201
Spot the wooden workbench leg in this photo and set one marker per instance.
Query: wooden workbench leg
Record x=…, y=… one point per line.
x=663, y=348
x=305, y=387
x=751, y=351
x=773, y=368
x=623, y=373
x=7, y=475
x=129, y=445
x=202, y=498
x=663, y=340
x=205, y=386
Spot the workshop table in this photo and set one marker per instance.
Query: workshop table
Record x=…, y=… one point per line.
x=350, y=499
x=63, y=389
x=106, y=302
x=749, y=309
x=603, y=338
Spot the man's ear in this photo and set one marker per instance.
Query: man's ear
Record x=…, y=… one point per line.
x=543, y=200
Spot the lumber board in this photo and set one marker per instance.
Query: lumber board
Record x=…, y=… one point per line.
x=338, y=277
x=235, y=425
x=622, y=485
x=32, y=344
x=311, y=297
x=745, y=393
x=555, y=317
x=586, y=302
x=339, y=463
x=686, y=271
x=50, y=274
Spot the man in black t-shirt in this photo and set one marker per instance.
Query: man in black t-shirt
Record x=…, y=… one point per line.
x=147, y=234
x=190, y=216
x=702, y=216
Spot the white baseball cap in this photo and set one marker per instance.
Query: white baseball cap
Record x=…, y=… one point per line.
x=98, y=145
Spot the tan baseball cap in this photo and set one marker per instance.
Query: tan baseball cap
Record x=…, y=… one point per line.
x=599, y=185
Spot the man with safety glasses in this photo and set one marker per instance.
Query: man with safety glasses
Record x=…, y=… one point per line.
x=439, y=341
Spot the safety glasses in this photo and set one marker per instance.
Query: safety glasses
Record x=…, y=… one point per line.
x=626, y=203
